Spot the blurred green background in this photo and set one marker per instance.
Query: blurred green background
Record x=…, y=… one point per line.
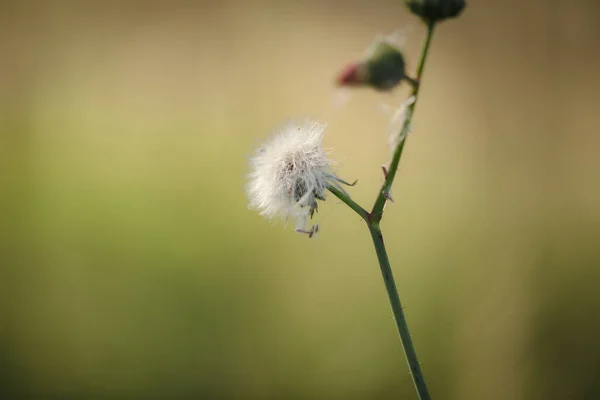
x=130, y=266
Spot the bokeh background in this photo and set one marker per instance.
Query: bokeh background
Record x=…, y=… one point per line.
x=130, y=266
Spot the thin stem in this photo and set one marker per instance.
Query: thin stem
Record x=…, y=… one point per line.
x=373, y=219
x=377, y=211
x=401, y=324
x=375, y=230
x=343, y=196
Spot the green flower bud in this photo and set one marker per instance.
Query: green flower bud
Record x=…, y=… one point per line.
x=383, y=68
x=436, y=10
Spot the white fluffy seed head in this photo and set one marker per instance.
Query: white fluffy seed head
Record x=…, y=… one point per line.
x=290, y=172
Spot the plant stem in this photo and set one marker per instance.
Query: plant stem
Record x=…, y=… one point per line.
x=377, y=211
x=392, y=291
x=340, y=194
x=397, y=309
x=373, y=219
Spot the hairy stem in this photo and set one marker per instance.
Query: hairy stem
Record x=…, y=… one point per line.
x=377, y=211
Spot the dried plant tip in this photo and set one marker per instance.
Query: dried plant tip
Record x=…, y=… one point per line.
x=383, y=68
x=311, y=232
x=385, y=171
x=388, y=195
x=353, y=75
x=432, y=11
x=343, y=182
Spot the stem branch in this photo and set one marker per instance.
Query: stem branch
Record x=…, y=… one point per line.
x=377, y=211
x=343, y=196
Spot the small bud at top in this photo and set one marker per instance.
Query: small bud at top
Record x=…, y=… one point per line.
x=432, y=11
x=383, y=68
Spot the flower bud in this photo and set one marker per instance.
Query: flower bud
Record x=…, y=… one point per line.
x=436, y=10
x=382, y=69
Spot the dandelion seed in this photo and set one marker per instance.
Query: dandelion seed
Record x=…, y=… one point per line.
x=398, y=37
x=290, y=173
x=341, y=97
x=396, y=136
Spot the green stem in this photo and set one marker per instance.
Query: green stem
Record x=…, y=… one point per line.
x=343, y=196
x=397, y=309
x=377, y=211
x=392, y=291
x=374, y=217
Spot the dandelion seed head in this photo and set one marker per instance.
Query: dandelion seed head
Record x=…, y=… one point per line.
x=290, y=172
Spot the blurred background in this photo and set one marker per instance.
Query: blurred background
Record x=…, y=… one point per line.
x=130, y=266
